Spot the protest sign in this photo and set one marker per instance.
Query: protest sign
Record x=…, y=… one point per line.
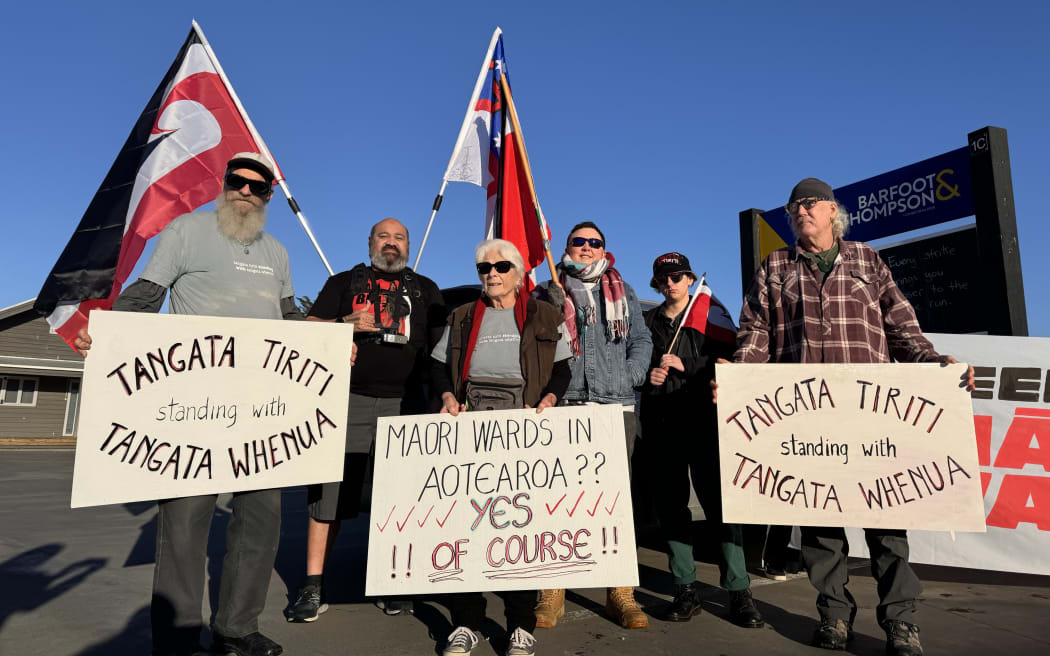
x=1012, y=419
x=869, y=445
x=179, y=406
x=501, y=500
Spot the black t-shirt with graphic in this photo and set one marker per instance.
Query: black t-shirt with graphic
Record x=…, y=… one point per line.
x=412, y=308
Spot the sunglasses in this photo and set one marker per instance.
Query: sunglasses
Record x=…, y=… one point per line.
x=503, y=266
x=257, y=187
x=807, y=203
x=593, y=241
x=673, y=277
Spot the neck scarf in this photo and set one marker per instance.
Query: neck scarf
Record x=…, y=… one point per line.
x=475, y=327
x=572, y=276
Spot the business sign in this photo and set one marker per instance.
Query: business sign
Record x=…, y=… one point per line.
x=501, y=500
x=869, y=445
x=178, y=406
x=1012, y=419
x=932, y=191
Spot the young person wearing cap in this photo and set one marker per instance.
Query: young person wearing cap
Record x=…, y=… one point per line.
x=216, y=263
x=611, y=348
x=681, y=438
x=829, y=300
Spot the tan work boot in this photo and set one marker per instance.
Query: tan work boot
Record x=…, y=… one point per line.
x=550, y=608
x=621, y=608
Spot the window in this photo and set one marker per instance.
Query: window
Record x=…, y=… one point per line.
x=72, y=406
x=15, y=390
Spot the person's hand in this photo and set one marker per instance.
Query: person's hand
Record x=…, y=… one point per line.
x=548, y=401
x=657, y=376
x=353, y=355
x=714, y=383
x=82, y=341
x=364, y=319
x=449, y=404
x=668, y=362
x=967, y=379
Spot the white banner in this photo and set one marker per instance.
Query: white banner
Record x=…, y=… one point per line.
x=874, y=445
x=501, y=500
x=1012, y=417
x=179, y=406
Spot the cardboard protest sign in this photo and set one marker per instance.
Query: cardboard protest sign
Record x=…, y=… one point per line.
x=501, y=500
x=868, y=445
x=183, y=405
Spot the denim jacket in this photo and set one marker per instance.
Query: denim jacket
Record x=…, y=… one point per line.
x=608, y=372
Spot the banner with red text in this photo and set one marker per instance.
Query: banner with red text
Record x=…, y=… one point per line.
x=501, y=500
x=1011, y=409
x=872, y=445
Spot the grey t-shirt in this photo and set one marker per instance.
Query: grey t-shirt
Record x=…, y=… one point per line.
x=209, y=274
x=496, y=353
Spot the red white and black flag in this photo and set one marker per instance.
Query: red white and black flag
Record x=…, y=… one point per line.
x=171, y=164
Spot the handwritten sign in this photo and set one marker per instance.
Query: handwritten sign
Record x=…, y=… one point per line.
x=867, y=445
x=501, y=500
x=182, y=405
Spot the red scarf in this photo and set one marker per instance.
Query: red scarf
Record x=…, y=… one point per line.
x=479, y=311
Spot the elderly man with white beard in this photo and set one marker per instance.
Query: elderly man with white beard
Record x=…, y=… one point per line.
x=217, y=264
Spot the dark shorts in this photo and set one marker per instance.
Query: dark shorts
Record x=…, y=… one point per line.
x=345, y=499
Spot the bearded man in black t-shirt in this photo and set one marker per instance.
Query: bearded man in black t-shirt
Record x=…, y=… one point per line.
x=397, y=316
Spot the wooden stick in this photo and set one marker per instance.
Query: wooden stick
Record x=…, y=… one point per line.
x=528, y=175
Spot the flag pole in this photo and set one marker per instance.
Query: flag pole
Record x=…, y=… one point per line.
x=459, y=141
x=262, y=146
x=528, y=176
x=685, y=314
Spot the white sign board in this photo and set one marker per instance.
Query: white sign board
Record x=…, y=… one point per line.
x=1012, y=417
x=178, y=406
x=868, y=445
x=501, y=500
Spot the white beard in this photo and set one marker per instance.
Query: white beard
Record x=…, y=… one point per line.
x=243, y=228
x=379, y=261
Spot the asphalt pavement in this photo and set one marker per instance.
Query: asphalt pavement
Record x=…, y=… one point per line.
x=77, y=582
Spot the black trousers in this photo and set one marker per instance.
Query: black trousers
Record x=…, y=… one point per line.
x=824, y=550
x=183, y=525
x=468, y=609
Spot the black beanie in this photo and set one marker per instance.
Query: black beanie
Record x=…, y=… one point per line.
x=811, y=188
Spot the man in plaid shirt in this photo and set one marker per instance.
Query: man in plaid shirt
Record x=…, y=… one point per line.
x=829, y=300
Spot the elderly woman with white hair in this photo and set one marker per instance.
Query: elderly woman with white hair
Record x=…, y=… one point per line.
x=506, y=350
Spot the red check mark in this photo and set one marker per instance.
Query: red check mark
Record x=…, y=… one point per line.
x=401, y=525
x=387, y=520
x=576, y=505
x=441, y=522
x=610, y=510
x=550, y=511
x=425, y=517
x=591, y=512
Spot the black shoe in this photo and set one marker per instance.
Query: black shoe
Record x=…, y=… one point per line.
x=686, y=603
x=832, y=634
x=395, y=605
x=902, y=639
x=742, y=611
x=308, y=606
x=776, y=572
x=253, y=644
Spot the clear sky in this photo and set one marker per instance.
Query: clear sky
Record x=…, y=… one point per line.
x=658, y=120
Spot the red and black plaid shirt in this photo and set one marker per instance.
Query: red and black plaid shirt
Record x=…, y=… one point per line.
x=858, y=314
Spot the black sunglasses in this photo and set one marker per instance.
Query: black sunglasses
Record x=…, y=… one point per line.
x=503, y=266
x=593, y=241
x=675, y=277
x=258, y=187
x=807, y=203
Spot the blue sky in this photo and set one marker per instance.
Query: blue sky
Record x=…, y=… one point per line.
x=658, y=120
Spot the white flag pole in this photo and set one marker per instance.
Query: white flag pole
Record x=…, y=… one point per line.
x=685, y=314
x=463, y=129
x=262, y=145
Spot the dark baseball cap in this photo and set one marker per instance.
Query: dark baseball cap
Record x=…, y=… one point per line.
x=670, y=263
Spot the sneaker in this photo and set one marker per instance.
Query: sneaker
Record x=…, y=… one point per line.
x=461, y=641
x=832, y=634
x=902, y=639
x=253, y=644
x=308, y=607
x=395, y=606
x=521, y=643
x=686, y=603
x=776, y=573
